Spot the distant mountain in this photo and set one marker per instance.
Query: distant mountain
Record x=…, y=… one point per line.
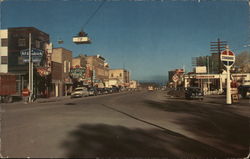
x=157, y=79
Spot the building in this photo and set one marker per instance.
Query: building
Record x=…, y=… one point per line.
x=4, y=51
x=99, y=68
x=212, y=63
x=133, y=84
x=78, y=71
x=119, y=77
x=14, y=42
x=214, y=83
x=61, y=64
x=80, y=61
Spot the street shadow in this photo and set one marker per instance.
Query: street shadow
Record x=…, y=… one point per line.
x=70, y=104
x=17, y=99
x=226, y=130
x=116, y=141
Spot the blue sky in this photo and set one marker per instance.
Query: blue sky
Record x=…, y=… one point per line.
x=149, y=38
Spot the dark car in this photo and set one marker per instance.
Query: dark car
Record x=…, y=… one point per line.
x=100, y=91
x=244, y=90
x=105, y=90
x=92, y=91
x=115, y=89
x=194, y=93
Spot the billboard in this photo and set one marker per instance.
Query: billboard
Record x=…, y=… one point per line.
x=200, y=69
x=36, y=55
x=78, y=72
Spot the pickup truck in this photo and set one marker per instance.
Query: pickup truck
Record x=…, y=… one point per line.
x=7, y=87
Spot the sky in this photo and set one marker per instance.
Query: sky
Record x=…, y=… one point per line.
x=148, y=38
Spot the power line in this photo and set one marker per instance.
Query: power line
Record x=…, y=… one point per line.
x=94, y=13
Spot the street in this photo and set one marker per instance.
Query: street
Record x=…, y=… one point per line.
x=127, y=124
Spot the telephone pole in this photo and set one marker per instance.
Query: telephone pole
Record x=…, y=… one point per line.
x=216, y=48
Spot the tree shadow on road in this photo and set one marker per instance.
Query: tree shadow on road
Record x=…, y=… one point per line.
x=116, y=141
x=225, y=129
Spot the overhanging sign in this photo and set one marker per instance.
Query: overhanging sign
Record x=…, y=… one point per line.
x=36, y=55
x=227, y=57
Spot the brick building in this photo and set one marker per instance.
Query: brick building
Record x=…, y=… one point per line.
x=13, y=41
x=99, y=68
x=61, y=64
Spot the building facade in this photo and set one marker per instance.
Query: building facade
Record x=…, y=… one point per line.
x=78, y=71
x=121, y=76
x=4, y=51
x=99, y=68
x=62, y=62
x=14, y=41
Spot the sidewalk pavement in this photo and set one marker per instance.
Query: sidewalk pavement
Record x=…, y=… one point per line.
x=41, y=100
x=221, y=99
x=51, y=99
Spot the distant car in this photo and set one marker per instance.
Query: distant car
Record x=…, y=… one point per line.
x=150, y=88
x=92, y=91
x=99, y=91
x=105, y=91
x=194, y=93
x=115, y=89
x=80, y=92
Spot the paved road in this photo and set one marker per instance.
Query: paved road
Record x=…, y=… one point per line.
x=138, y=124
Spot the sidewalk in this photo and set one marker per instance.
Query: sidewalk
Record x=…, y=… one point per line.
x=40, y=100
x=221, y=99
x=51, y=99
x=242, y=107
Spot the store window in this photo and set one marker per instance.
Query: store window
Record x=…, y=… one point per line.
x=4, y=59
x=4, y=42
x=38, y=44
x=68, y=66
x=21, y=42
x=65, y=66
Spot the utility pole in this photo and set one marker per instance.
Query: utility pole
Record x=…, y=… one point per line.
x=30, y=71
x=216, y=48
x=208, y=71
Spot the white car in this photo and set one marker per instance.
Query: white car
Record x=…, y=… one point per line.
x=150, y=88
x=80, y=92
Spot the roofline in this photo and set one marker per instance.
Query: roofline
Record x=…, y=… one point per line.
x=28, y=28
x=62, y=48
x=118, y=69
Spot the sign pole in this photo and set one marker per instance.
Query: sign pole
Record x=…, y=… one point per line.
x=228, y=59
x=229, y=99
x=30, y=79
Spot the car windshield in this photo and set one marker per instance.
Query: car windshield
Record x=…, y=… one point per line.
x=79, y=89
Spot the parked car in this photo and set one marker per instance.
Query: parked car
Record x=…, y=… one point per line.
x=244, y=91
x=115, y=89
x=194, y=93
x=92, y=91
x=99, y=91
x=105, y=91
x=80, y=92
